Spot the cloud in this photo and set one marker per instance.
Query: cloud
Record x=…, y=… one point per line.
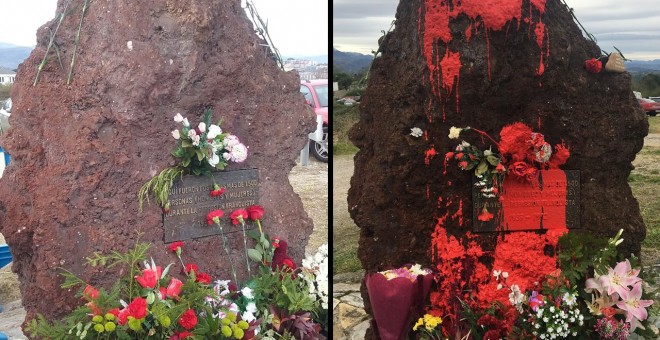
x=631, y=26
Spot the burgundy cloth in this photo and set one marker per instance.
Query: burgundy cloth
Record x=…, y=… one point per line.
x=396, y=303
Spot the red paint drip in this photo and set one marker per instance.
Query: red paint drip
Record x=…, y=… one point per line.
x=430, y=153
x=459, y=213
x=451, y=67
x=488, y=49
x=428, y=191
x=468, y=33
x=445, y=165
x=539, y=30
x=426, y=135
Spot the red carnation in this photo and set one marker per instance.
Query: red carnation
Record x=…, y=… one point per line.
x=514, y=141
x=211, y=217
x=188, y=319
x=255, y=212
x=519, y=169
x=593, y=65
x=182, y=335
x=175, y=246
x=174, y=288
x=191, y=267
x=137, y=308
x=217, y=191
x=203, y=278
x=485, y=216
x=90, y=293
x=449, y=155
x=238, y=215
x=459, y=155
x=280, y=256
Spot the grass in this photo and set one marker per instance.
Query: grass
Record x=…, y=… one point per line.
x=654, y=124
x=345, y=260
x=645, y=185
x=343, y=117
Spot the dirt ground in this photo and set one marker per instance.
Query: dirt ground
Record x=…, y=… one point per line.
x=345, y=234
x=309, y=182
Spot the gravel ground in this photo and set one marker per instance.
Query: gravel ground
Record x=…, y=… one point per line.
x=309, y=182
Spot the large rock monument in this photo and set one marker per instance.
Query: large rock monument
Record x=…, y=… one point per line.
x=81, y=151
x=487, y=65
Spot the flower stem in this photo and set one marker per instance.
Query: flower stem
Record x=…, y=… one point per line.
x=224, y=245
x=486, y=135
x=247, y=258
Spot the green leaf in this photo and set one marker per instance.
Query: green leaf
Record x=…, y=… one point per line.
x=255, y=255
x=186, y=143
x=493, y=160
x=471, y=165
x=200, y=155
x=482, y=168
x=185, y=162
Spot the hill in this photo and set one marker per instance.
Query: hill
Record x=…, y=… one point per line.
x=350, y=62
x=11, y=55
x=643, y=66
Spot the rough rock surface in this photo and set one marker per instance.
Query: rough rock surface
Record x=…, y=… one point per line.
x=512, y=70
x=80, y=152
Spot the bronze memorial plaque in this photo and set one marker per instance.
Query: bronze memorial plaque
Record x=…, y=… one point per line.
x=551, y=201
x=190, y=202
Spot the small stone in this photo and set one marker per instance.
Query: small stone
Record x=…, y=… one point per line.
x=358, y=332
x=353, y=299
x=350, y=316
x=344, y=288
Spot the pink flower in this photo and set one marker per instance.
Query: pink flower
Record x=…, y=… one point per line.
x=149, y=277
x=618, y=279
x=174, y=288
x=632, y=304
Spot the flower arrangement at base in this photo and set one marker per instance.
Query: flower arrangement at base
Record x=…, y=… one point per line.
x=397, y=298
x=146, y=303
x=567, y=304
x=427, y=327
x=201, y=150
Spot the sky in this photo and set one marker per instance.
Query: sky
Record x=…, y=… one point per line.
x=297, y=27
x=632, y=26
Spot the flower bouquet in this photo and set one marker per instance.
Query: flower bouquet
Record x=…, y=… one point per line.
x=201, y=150
x=397, y=298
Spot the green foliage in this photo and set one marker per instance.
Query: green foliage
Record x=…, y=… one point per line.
x=282, y=289
x=5, y=91
x=648, y=84
x=579, y=253
x=160, y=186
x=262, y=252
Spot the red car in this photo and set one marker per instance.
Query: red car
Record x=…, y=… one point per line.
x=316, y=94
x=650, y=107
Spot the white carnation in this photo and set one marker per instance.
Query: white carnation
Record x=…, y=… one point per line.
x=239, y=153
x=454, y=132
x=178, y=118
x=214, y=131
x=416, y=132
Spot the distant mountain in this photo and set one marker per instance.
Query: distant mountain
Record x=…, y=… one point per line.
x=12, y=55
x=350, y=62
x=643, y=66
x=321, y=59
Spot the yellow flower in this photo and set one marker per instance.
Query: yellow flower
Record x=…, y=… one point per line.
x=419, y=323
x=226, y=331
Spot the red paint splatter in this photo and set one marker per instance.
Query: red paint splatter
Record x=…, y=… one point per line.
x=493, y=14
x=426, y=135
x=430, y=153
x=459, y=213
